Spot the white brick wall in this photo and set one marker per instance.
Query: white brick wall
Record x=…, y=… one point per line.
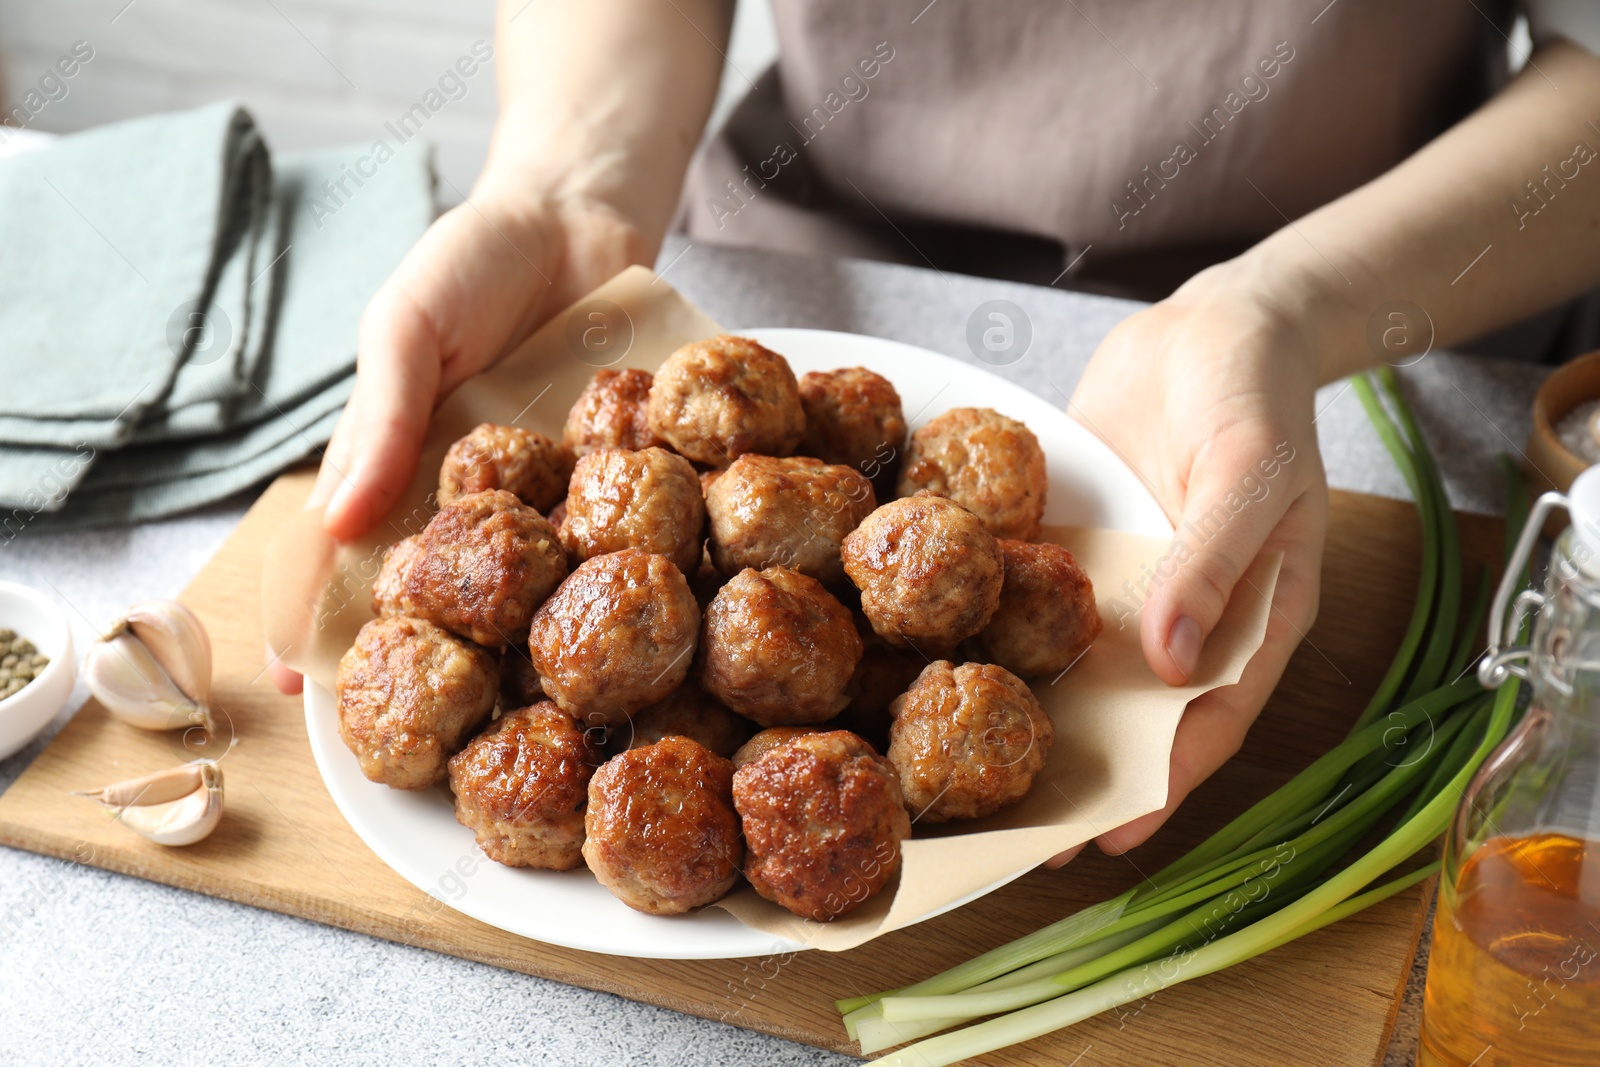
x=313, y=73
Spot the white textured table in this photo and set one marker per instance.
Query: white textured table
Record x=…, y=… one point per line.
x=99, y=968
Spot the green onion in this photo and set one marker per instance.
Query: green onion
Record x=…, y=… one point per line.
x=1343, y=829
x=1310, y=912
x=1431, y=669
x=1428, y=579
x=1470, y=644
x=1283, y=868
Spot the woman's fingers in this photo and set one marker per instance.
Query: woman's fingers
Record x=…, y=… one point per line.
x=1214, y=725
x=335, y=457
x=1238, y=491
x=382, y=429
x=287, y=682
x=450, y=308
x=1061, y=859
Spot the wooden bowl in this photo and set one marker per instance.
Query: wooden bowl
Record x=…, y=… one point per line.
x=1551, y=465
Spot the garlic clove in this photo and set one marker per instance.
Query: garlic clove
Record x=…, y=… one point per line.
x=178, y=641
x=130, y=684
x=159, y=788
x=181, y=821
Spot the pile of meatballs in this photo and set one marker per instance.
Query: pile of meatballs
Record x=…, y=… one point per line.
x=687, y=643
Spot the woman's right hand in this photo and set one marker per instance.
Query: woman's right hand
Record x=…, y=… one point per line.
x=485, y=276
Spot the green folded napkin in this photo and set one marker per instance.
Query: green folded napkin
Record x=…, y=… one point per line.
x=249, y=374
x=105, y=236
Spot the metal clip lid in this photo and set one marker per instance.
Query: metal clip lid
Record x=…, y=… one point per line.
x=1504, y=657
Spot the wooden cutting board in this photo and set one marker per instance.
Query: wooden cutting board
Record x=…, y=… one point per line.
x=1329, y=998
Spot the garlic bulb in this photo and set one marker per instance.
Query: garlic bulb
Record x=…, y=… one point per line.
x=153, y=670
x=172, y=807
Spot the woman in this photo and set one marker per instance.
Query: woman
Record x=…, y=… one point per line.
x=1117, y=143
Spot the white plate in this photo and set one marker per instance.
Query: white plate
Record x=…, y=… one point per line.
x=417, y=834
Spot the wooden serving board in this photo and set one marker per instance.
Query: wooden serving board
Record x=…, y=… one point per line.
x=1329, y=998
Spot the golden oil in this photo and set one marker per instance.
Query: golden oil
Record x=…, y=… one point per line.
x=1514, y=975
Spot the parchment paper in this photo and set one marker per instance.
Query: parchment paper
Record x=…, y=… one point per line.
x=1114, y=719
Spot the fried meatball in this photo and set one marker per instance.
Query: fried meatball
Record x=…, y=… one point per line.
x=519, y=461
x=791, y=512
x=967, y=741
x=1047, y=614
x=410, y=694
x=928, y=569
x=854, y=417
x=519, y=682
x=557, y=516
x=483, y=565
x=718, y=399
x=776, y=647
x=690, y=712
x=648, y=500
x=610, y=413
x=389, y=588
x=767, y=740
x=617, y=636
x=823, y=822
x=521, y=787
x=662, y=832
x=983, y=461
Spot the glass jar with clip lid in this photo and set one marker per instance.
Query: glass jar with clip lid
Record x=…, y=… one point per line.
x=1514, y=971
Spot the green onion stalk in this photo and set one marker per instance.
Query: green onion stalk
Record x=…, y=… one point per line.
x=1292, y=863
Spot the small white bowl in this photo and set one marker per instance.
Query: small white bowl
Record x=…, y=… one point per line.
x=35, y=616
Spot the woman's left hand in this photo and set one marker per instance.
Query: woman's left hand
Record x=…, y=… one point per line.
x=1208, y=396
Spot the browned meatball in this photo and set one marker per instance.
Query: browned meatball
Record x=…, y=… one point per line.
x=718, y=399
x=662, y=833
x=854, y=417
x=617, y=636
x=483, y=565
x=823, y=822
x=610, y=413
x=690, y=712
x=648, y=500
x=928, y=569
x=778, y=648
x=767, y=740
x=521, y=786
x=389, y=588
x=519, y=681
x=967, y=741
x=557, y=516
x=1047, y=614
x=983, y=461
x=519, y=461
x=791, y=512
x=409, y=695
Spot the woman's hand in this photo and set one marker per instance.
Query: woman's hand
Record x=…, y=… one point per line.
x=582, y=177
x=1198, y=390
x=1208, y=395
x=479, y=282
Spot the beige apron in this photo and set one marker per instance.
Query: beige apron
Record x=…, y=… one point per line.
x=1133, y=142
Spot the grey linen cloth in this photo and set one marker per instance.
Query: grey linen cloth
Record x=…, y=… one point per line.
x=148, y=399
x=104, y=236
